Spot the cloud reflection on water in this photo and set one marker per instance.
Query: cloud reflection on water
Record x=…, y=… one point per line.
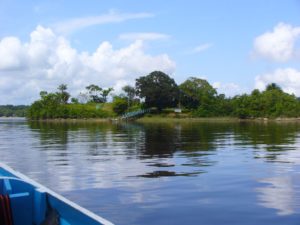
x=280, y=193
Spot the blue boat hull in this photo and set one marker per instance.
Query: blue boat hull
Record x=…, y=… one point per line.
x=30, y=202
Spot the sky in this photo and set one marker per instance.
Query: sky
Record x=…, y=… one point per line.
x=235, y=45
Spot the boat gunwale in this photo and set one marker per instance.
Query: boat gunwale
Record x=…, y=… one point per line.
x=42, y=188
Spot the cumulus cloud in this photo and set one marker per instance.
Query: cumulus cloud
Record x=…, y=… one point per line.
x=229, y=89
x=288, y=79
x=278, y=45
x=11, y=54
x=143, y=36
x=48, y=60
x=74, y=24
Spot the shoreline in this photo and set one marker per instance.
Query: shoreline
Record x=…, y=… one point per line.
x=217, y=119
x=68, y=120
x=162, y=119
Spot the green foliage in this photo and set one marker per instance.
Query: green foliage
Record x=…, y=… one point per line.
x=120, y=105
x=63, y=94
x=135, y=107
x=105, y=93
x=73, y=111
x=196, y=97
x=83, y=111
x=272, y=87
x=49, y=106
x=97, y=94
x=201, y=98
x=222, y=106
x=272, y=102
x=74, y=100
x=13, y=111
x=158, y=89
x=94, y=93
x=195, y=92
x=130, y=93
x=52, y=106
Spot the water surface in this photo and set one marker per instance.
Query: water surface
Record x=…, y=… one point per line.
x=164, y=173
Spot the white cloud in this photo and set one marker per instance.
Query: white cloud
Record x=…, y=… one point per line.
x=202, y=47
x=143, y=36
x=119, y=85
x=229, y=89
x=11, y=54
x=288, y=79
x=279, y=44
x=48, y=60
x=72, y=25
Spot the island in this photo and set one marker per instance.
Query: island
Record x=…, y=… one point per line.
x=158, y=94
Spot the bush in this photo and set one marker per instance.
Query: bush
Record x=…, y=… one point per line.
x=120, y=105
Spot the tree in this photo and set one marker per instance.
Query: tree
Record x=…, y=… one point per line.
x=94, y=93
x=278, y=103
x=158, y=89
x=43, y=93
x=97, y=94
x=241, y=105
x=11, y=110
x=273, y=86
x=63, y=94
x=222, y=106
x=74, y=100
x=196, y=92
x=105, y=93
x=119, y=105
x=130, y=93
x=49, y=106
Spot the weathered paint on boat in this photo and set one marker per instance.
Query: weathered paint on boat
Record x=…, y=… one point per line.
x=30, y=202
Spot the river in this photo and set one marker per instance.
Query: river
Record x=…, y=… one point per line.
x=164, y=173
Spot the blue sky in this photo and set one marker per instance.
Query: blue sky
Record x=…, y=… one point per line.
x=235, y=45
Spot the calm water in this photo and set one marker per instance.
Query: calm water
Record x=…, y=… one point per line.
x=180, y=173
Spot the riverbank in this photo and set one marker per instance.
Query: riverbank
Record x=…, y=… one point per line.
x=163, y=119
x=160, y=119
x=167, y=119
x=68, y=120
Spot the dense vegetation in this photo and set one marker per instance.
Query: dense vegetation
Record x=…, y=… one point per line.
x=55, y=105
x=13, y=111
x=158, y=89
x=195, y=96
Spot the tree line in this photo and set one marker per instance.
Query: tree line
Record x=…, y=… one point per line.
x=13, y=111
x=195, y=97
